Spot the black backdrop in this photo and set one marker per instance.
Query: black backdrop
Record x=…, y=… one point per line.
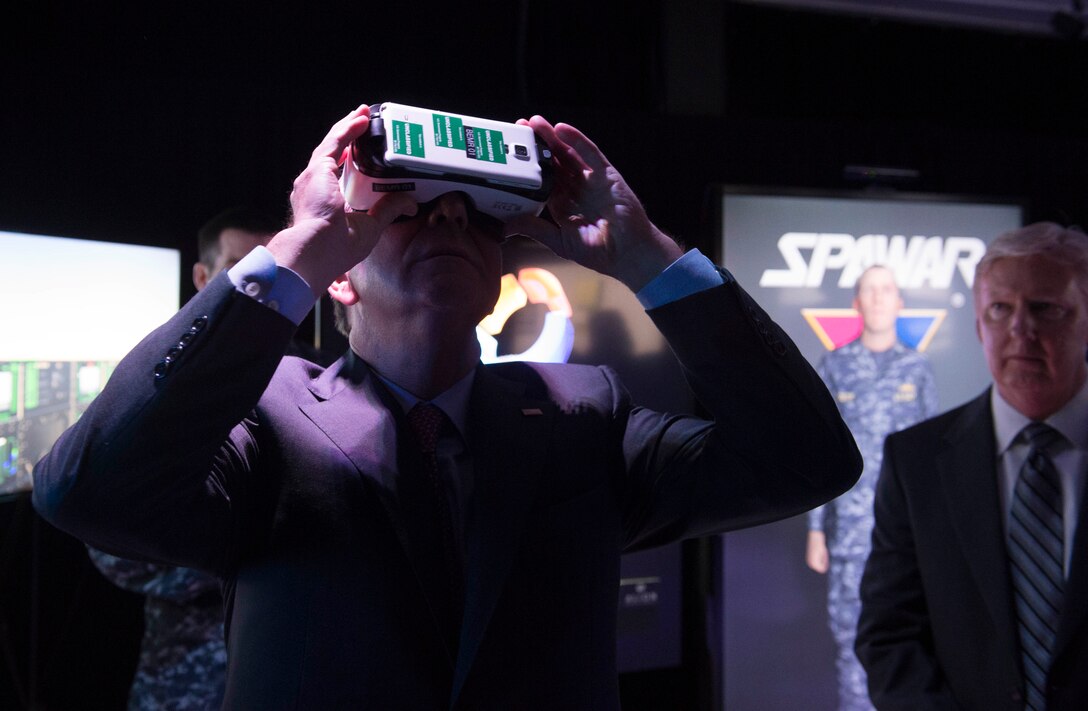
x=135, y=124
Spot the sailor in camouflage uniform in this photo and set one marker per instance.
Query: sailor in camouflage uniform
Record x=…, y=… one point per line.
x=881, y=386
x=183, y=658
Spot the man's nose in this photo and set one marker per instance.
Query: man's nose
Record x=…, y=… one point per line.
x=450, y=209
x=1022, y=323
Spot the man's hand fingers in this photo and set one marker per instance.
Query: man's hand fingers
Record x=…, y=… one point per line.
x=342, y=133
x=580, y=144
x=567, y=158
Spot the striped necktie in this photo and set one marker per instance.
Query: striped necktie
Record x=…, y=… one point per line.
x=1036, y=554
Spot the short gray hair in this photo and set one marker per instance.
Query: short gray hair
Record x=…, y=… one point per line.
x=1068, y=245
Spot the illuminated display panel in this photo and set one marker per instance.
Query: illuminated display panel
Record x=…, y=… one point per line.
x=799, y=255
x=70, y=310
x=553, y=310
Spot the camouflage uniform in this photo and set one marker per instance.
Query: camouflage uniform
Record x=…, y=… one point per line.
x=183, y=657
x=877, y=393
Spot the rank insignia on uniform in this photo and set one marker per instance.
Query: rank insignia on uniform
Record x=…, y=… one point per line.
x=906, y=392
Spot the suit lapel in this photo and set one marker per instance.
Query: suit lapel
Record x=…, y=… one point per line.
x=509, y=434
x=350, y=410
x=508, y=441
x=1075, y=604
x=976, y=513
x=967, y=469
x=357, y=413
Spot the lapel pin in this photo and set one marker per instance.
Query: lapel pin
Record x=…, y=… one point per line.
x=530, y=411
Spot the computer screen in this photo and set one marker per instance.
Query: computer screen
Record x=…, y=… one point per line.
x=70, y=309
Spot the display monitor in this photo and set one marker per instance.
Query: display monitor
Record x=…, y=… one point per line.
x=70, y=309
x=799, y=254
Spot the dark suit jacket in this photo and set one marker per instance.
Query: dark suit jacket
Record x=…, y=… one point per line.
x=938, y=624
x=278, y=476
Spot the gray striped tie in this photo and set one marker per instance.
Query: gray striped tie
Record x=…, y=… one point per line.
x=1035, y=551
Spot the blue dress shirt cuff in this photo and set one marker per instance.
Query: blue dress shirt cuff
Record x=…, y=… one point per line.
x=259, y=277
x=689, y=274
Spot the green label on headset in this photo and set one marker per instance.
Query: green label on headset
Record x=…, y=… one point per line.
x=408, y=139
x=448, y=132
x=484, y=144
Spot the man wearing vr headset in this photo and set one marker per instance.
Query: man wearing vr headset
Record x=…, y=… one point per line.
x=481, y=573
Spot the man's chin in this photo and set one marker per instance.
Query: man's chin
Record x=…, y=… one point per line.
x=454, y=301
x=1030, y=383
x=1025, y=377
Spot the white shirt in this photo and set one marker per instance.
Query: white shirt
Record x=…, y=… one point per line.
x=1070, y=456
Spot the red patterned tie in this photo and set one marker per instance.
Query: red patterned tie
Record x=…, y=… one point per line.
x=427, y=422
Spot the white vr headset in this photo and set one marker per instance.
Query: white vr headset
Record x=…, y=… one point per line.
x=504, y=168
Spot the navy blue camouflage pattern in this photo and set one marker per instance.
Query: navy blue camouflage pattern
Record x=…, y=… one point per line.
x=183, y=657
x=877, y=394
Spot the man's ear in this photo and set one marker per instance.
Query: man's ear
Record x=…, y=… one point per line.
x=200, y=275
x=341, y=290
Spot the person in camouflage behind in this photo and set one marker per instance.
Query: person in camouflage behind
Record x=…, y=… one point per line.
x=183, y=658
x=881, y=386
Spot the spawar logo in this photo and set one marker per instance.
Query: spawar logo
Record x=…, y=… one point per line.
x=917, y=262
x=837, y=327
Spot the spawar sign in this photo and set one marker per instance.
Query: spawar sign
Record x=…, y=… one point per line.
x=917, y=262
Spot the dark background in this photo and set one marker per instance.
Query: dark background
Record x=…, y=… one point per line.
x=137, y=124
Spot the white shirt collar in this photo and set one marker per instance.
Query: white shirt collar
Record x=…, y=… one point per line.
x=453, y=402
x=1071, y=420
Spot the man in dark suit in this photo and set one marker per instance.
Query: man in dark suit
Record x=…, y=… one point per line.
x=975, y=593
x=183, y=657
x=367, y=565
